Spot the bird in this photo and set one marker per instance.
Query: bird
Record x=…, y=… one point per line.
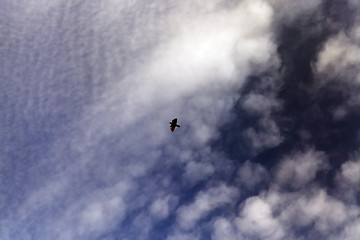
x=173, y=124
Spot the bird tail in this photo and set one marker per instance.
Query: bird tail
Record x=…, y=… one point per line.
x=178, y=125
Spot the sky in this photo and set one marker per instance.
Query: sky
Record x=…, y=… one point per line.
x=266, y=93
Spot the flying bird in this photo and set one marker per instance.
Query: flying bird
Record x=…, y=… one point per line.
x=173, y=124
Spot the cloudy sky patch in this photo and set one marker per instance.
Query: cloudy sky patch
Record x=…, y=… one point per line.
x=266, y=93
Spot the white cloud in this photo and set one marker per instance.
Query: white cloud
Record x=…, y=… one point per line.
x=300, y=168
x=258, y=103
x=197, y=171
x=319, y=210
x=350, y=231
x=350, y=172
x=252, y=174
x=142, y=224
x=204, y=203
x=268, y=135
x=204, y=58
x=276, y=215
x=329, y=213
x=182, y=236
x=92, y=214
x=207, y=50
x=223, y=230
x=161, y=207
x=347, y=180
x=40, y=7
x=339, y=57
x=263, y=103
x=256, y=221
x=183, y=62
x=155, y=60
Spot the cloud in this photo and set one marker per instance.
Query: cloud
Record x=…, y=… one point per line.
x=88, y=152
x=207, y=50
x=339, y=57
x=182, y=236
x=347, y=180
x=195, y=172
x=338, y=65
x=350, y=231
x=139, y=64
x=289, y=11
x=268, y=135
x=223, y=229
x=276, y=215
x=162, y=207
x=259, y=103
x=256, y=221
x=262, y=104
x=251, y=175
x=350, y=172
x=204, y=203
x=92, y=214
x=300, y=168
x=319, y=210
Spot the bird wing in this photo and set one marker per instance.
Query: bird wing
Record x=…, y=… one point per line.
x=174, y=121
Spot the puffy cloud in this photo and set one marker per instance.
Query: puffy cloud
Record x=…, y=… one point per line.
x=324, y=213
x=263, y=104
x=350, y=231
x=267, y=136
x=339, y=58
x=182, y=236
x=347, y=180
x=115, y=169
x=279, y=215
x=195, y=73
x=259, y=103
x=350, y=172
x=300, y=168
x=197, y=171
x=161, y=207
x=92, y=214
x=204, y=203
x=206, y=50
x=223, y=229
x=256, y=221
x=251, y=175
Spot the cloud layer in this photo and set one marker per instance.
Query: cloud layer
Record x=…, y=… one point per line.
x=266, y=93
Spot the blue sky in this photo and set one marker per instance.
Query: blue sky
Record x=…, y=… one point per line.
x=266, y=93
